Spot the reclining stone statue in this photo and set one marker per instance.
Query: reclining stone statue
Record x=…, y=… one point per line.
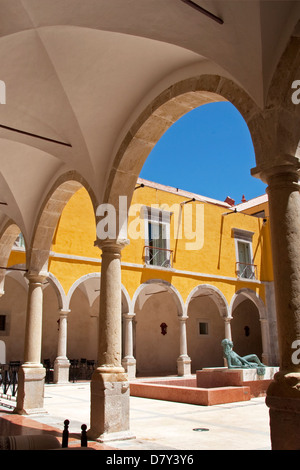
x=234, y=361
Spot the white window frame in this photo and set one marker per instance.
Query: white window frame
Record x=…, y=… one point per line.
x=152, y=215
x=243, y=236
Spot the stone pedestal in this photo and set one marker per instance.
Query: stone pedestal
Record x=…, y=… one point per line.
x=284, y=403
x=31, y=381
x=61, y=370
x=224, y=377
x=129, y=364
x=184, y=366
x=110, y=416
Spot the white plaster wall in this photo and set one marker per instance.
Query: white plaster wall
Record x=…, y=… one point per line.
x=205, y=350
x=14, y=303
x=50, y=325
x=156, y=354
x=246, y=314
x=82, y=327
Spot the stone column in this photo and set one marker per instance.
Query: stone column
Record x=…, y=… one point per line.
x=283, y=395
x=129, y=362
x=31, y=377
x=227, y=321
x=228, y=334
x=265, y=341
x=109, y=385
x=184, y=361
x=61, y=363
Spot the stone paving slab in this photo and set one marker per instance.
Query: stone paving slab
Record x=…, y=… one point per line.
x=163, y=425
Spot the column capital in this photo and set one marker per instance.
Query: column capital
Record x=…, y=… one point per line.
x=227, y=319
x=111, y=244
x=35, y=277
x=285, y=166
x=182, y=318
x=128, y=315
x=64, y=313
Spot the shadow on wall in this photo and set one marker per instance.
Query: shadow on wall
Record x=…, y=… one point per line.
x=205, y=331
x=157, y=335
x=246, y=330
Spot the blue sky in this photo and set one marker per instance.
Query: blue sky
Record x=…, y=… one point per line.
x=208, y=151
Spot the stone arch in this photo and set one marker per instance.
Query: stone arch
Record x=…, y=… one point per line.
x=167, y=286
x=212, y=291
x=166, y=109
x=17, y=273
x=64, y=188
x=8, y=236
x=83, y=317
x=278, y=125
x=89, y=284
x=59, y=291
x=90, y=276
x=126, y=301
x=158, y=308
x=252, y=295
x=207, y=311
x=255, y=334
x=281, y=104
x=54, y=303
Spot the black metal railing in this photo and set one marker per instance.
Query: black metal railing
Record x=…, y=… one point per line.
x=49, y=371
x=246, y=271
x=155, y=256
x=9, y=379
x=81, y=369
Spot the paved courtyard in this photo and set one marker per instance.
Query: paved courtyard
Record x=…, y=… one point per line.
x=162, y=425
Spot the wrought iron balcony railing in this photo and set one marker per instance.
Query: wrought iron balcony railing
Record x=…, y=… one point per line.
x=246, y=271
x=158, y=256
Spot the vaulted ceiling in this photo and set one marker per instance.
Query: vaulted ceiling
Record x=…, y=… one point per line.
x=78, y=73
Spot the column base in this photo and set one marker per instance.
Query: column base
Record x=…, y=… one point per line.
x=184, y=365
x=129, y=364
x=112, y=436
x=109, y=405
x=30, y=398
x=61, y=370
x=283, y=399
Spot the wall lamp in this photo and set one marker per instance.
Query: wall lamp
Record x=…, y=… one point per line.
x=140, y=186
x=228, y=213
x=186, y=202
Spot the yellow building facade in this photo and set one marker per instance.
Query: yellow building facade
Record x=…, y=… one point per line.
x=195, y=271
